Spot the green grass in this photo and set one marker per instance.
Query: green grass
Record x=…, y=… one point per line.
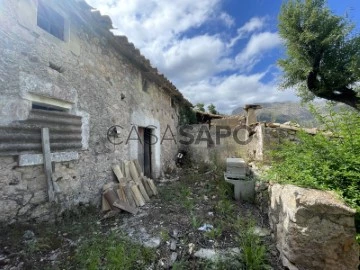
x=164, y=235
x=253, y=250
x=195, y=221
x=111, y=252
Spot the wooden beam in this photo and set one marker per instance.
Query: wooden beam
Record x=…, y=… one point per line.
x=45, y=142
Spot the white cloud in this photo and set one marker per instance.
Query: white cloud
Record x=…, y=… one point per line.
x=229, y=93
x=202, y=65
x=159, y=21
x=256, y=47
x=193, y=59
x=254, y=24
x=227, y=19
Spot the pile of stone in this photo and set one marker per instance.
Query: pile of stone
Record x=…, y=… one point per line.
x=132, y=190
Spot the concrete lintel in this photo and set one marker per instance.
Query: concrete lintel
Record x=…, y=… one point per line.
x=38, y=159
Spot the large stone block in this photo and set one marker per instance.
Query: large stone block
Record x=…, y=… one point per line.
x=313, y=229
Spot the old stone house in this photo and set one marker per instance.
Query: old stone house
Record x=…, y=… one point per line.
x=62, y=68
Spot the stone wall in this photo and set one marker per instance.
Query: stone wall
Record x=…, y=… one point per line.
x=97, y=83
x=313, y=229
x=202, y=149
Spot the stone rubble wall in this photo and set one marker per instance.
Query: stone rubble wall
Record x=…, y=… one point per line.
x=224, y=148
x=313, y=229
x=98, y=83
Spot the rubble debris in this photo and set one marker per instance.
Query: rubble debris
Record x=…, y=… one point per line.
x=165, y=180
x=191, y=248
x=153, y=242
x=173, y=258
x=206, y=228
x=262, y=232
x=173, y=245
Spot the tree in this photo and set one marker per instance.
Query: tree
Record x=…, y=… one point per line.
x=212, y=109
x=200, y=107
x=323, y=54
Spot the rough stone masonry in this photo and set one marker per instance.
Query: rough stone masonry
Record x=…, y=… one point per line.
x=85, y=72
x=313, y=229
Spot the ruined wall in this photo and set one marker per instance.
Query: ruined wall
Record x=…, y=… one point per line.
x=313, y=229
x=224, y=147
x=96, y=83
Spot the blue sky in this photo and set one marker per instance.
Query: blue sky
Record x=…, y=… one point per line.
x=215, y=51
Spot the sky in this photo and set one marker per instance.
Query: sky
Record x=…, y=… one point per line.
x=223, y=52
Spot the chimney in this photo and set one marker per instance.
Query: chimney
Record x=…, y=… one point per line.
x=251, y=113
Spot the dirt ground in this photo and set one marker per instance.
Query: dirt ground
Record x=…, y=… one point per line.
x=186, y=201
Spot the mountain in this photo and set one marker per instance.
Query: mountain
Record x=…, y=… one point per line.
x=281, y=112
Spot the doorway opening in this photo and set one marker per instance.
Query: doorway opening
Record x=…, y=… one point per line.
x=145, y=151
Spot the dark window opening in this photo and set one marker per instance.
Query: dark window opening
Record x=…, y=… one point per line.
x=47, y=108
x=172, y=101
x=51, y=21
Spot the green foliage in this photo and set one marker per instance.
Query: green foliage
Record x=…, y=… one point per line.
x=164, y=235
x=200, y=107
x=212, y=109
x=195, y=221
x=323, y=162
x=254, y=251
x=323, y=56
x=112, y=252
x=225, y=207
x=187, y=116
x=215, y=233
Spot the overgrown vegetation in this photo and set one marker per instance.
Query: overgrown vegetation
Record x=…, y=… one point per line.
x=84, y=239
x=253, y=250
x=322, y=161
x=187, y=116
x=112, y=252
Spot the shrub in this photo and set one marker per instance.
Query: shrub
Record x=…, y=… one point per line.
x=322, y=161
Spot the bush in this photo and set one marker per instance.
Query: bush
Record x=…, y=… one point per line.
x=322, y=161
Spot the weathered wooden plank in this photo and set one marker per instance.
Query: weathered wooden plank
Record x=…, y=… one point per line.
x=143, y=191
x=147, y=187
x=152, y=186
x=133, y=171
x=45, y=141
x=104, y=204
x=127, y=169
x=139, y=200
x=111, y=197
x=119, y=175
x=121, y=193
x=135, y=176
x=129, y=195
x=138, y=167
x=125, y=206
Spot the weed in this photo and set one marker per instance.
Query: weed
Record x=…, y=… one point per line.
x=195, y=222
x=164, y=235
x=181, y=265
x=112, y=252
x=254, y=251
x=215, y=233
x=188, y=204
x=225, y=208
x=185, y=192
